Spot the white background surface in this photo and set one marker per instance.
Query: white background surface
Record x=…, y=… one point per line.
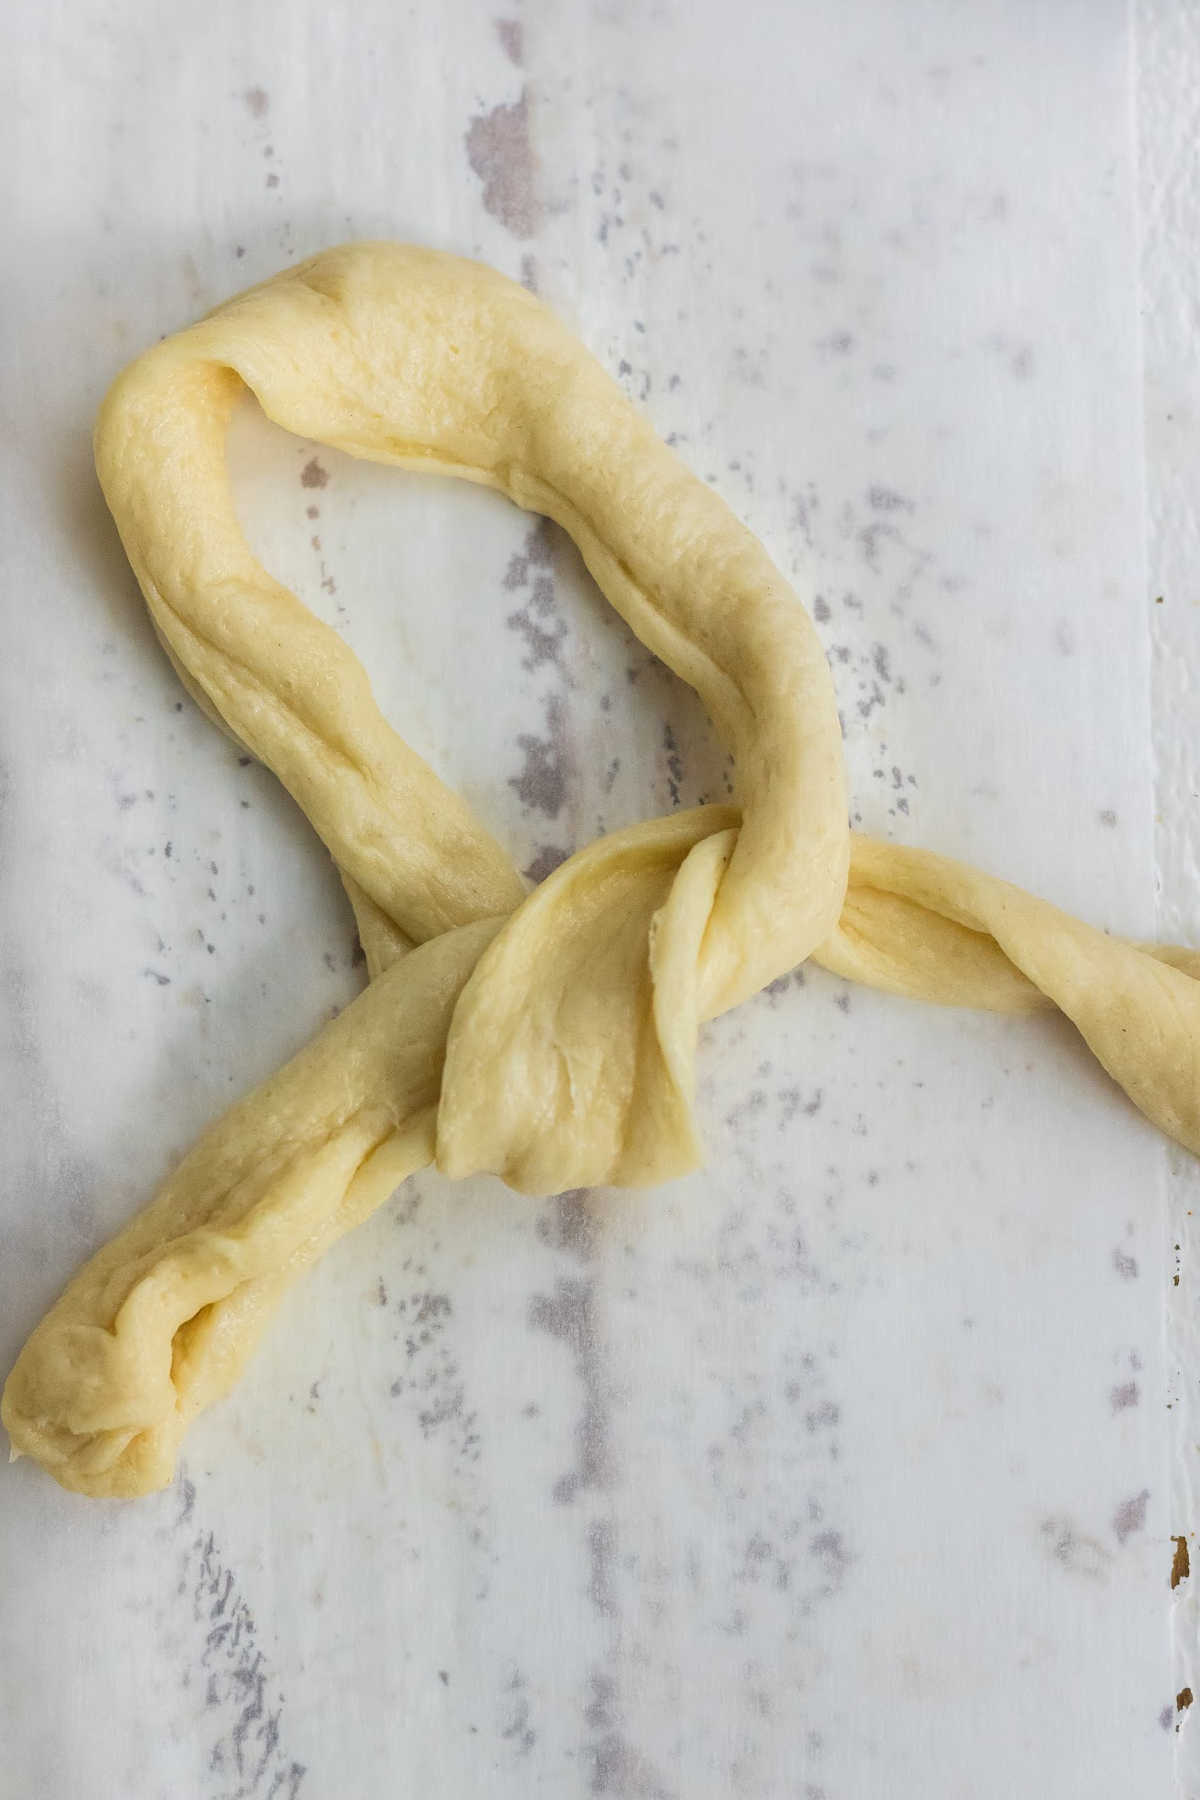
x=1167, y=100
x=846, y=1467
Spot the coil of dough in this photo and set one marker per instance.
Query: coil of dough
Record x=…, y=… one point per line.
x=548, y=1036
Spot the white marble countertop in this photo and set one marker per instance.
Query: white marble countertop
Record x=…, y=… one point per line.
x=846, y=1467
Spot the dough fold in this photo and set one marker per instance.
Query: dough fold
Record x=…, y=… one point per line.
x=548, y=1037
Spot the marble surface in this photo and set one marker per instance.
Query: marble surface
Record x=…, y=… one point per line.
x=844, y=1467
x=1168, y=78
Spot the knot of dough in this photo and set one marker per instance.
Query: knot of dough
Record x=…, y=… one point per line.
x=547, y=1037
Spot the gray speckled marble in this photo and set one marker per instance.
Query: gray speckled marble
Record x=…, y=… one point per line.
x=840, y=1468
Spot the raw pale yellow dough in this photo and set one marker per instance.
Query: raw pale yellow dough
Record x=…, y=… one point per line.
x=548, y=1037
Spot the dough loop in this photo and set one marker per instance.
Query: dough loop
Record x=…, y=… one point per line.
x=548, y=1037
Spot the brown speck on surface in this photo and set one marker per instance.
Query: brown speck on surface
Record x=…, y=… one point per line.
x=1130, y=1516
x=1183, y=1699
x=257, y=102
x=512, y=39
x=312, y=475
x=500, y=152
x=1181, y=1566
x=314, y=512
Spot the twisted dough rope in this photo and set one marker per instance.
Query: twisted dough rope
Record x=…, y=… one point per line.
x=548, y=1037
